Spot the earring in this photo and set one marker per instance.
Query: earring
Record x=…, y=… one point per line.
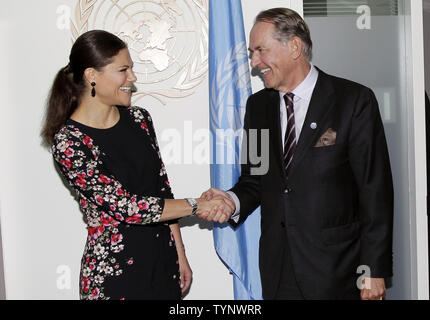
x=93, y=90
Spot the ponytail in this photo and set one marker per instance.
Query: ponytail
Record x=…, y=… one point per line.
x=93, y=49
x=62, y=102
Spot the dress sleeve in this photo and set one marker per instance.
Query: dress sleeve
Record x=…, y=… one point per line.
x=79, y=162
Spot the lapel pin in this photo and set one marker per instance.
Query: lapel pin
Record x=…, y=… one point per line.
x=313, y=125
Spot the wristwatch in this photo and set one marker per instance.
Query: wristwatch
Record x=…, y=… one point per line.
x=193, y=203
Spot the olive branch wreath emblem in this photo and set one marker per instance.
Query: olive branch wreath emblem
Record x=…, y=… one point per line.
x=230, y=73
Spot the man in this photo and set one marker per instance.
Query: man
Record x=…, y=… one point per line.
x=327, y=198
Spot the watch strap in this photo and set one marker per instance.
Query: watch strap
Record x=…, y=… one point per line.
x=193, y=203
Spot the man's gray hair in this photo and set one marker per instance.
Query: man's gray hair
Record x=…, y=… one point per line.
x=288, y=23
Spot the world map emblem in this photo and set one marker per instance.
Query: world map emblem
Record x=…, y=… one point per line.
x=167, y=40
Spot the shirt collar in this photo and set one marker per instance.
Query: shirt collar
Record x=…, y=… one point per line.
x=305, y=89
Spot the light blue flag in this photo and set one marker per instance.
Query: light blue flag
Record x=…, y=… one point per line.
x=229, y=89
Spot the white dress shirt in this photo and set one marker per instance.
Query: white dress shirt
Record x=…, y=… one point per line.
x=302, y=98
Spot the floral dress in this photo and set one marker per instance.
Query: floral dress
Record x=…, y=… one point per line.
x=121, y=184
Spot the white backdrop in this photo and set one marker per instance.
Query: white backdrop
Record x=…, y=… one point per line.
x=42, y=232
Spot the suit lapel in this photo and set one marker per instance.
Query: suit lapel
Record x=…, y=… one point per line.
x=323, y=99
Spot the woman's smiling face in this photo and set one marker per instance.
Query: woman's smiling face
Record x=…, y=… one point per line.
x=114, y=82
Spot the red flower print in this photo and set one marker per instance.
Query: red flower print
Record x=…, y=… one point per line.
x=116, y=238
x=144, y=126
x=119, y=217
x=103, y=179
x=88, y=141
x=143, y=205
x=80, y=183
x=81, y=175
x=67, y=163
x=69, y=152
x=106, y=220
x=91, y=231
x=99, y=200
x=95, y=232
x=83, y=203
x=85, y=284
x=106, y=206
x=134, y=219
x=95, y=293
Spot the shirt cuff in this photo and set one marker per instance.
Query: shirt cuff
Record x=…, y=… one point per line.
x=236, y=214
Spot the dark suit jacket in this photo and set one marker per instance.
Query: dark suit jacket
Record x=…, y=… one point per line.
x=336, y=207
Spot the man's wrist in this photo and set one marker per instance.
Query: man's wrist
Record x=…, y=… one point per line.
x=236, y=202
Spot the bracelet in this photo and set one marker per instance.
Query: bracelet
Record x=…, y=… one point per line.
x=180, y=247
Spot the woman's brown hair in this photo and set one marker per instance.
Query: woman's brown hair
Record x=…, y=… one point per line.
x=93, y=49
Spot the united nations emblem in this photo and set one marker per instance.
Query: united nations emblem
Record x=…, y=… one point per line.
x=167, y=39
x=230, y=88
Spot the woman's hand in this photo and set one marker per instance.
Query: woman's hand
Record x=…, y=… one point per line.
x=186, y=274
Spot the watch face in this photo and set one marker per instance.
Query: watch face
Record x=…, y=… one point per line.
x=192, y=202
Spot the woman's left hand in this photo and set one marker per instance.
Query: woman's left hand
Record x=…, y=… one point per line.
x=186, y=274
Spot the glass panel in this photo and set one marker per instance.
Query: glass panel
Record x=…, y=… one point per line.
x=327, y=8
x=364, y=41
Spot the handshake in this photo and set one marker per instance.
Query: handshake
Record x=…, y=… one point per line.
x=215, y=205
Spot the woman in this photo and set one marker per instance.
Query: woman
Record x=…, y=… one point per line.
x=109, y=155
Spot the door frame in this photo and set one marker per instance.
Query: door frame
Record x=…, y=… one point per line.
x=417, y=150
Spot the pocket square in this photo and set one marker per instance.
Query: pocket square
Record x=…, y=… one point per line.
x=327, y=139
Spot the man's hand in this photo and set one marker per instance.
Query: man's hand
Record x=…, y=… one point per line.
x=373, y=289
x=213, y=192
x=215, y=205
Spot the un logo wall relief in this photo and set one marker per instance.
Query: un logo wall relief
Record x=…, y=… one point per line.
x=167, y=39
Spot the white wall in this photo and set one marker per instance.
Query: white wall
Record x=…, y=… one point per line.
x=42, y=232
x=427, y=43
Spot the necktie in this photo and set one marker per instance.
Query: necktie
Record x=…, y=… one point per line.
x=290, y=134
